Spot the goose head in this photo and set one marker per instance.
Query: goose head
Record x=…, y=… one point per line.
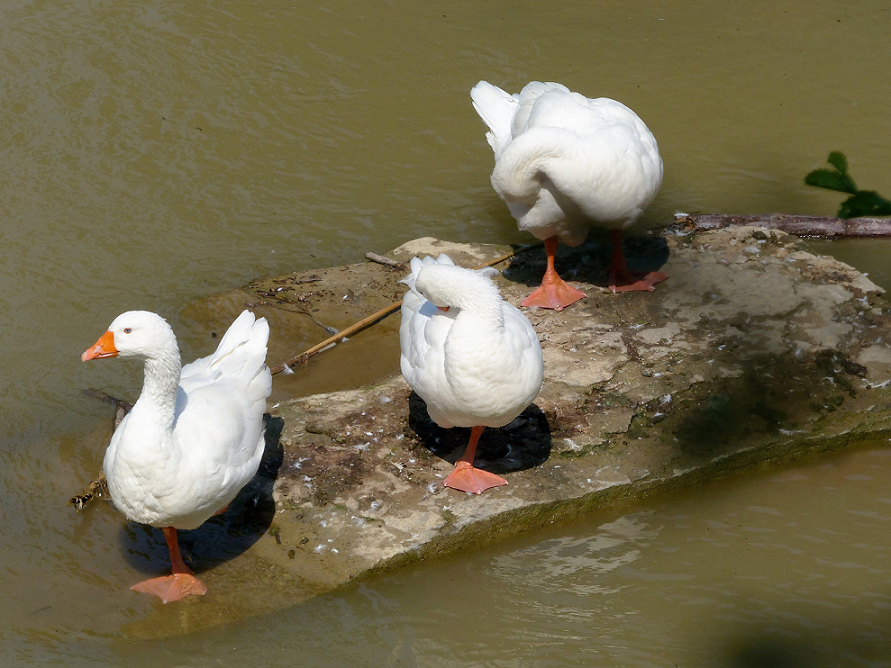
x=447, y=286
x=139, y=334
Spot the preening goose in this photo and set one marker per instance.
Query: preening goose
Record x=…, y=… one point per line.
x=472, y=357
x=564, y=162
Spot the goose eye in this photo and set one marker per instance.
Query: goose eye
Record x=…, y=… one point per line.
x=127, y=330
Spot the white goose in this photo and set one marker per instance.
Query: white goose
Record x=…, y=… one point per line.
x=195, y=436
x=472, y=357
x=563, y=163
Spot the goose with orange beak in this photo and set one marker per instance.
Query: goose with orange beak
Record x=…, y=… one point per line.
x=195, y=436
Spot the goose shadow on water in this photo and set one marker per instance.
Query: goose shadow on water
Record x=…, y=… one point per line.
x=589, y=262
x=523, y=444
x=220, y=538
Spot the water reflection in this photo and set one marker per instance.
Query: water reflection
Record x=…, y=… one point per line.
x=572, y=564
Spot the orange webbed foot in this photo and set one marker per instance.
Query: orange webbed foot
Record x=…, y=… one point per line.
x=627, y=281
x=172, y=588
x=555, y=295
x=466, y=478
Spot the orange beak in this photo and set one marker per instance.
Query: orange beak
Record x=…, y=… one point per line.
x=444, y=309
x=104, y=347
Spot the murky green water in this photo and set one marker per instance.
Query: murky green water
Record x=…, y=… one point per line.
x=155, y=152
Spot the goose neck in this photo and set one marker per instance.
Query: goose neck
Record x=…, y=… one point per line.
x=161, y=382
x=481, y=315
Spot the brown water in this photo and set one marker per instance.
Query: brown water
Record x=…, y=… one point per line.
x=155, y=153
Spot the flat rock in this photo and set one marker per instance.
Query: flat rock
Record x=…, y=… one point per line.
x=754, y=351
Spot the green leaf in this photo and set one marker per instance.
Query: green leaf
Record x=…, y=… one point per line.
x=838, y=160
x=865, y=203
x=831, y=180
x=861, y=202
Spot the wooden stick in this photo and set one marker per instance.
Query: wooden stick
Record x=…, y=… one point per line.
x=374, y=317
x=364, y=322
x=803, y=226
x=380, y=259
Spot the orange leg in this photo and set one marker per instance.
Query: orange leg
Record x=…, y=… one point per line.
x=178, y=585
x=622, y=280
x=465, y=477
x=554, y=292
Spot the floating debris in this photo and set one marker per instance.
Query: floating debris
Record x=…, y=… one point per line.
x=95, y=490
